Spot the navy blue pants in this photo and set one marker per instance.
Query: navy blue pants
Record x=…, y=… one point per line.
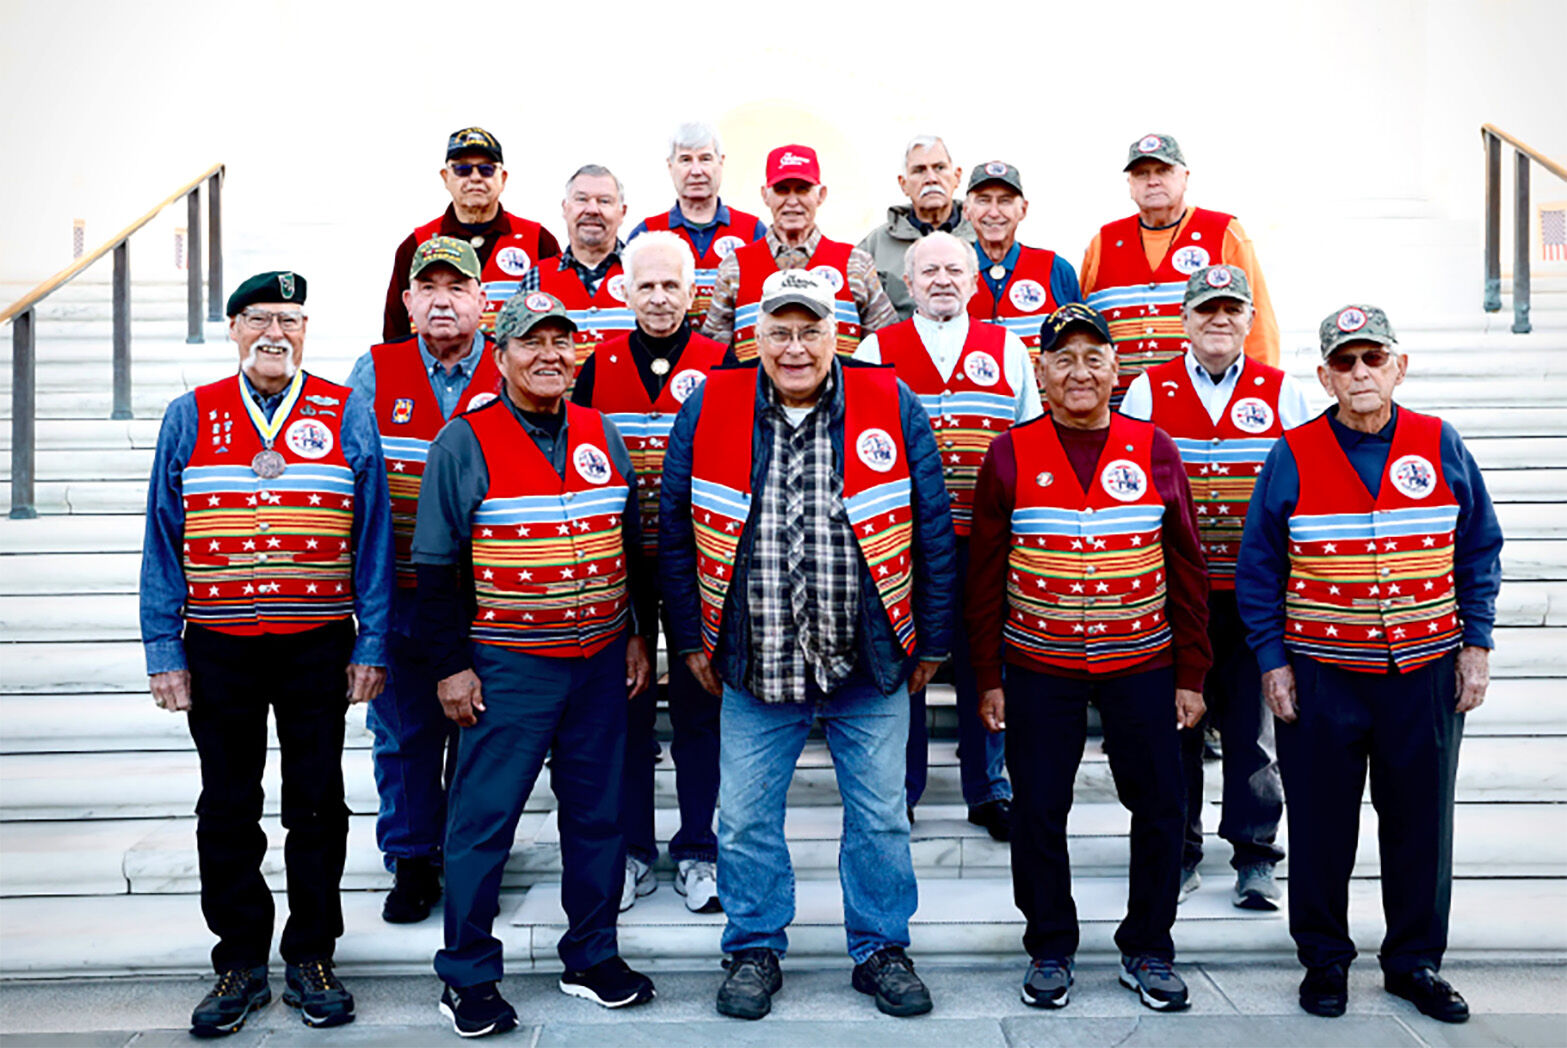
x=574, y=710
x=414, y=749
x=1403, y=728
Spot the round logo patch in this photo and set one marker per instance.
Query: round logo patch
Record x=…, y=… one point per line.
x=877, y=450
x=617, y=287
x=723, y=247
x=1148, y=144
x=478, y=400
x=1351, y=319
x=1251, y=415
x=309, y=438
x=1189, y=259
x=1219, y=276
x=539, y=302
x=513, y=261
x=1027, y=295
x=995, y=168
x=830, y=276
x=1044, y=480
x=1124, y=480
x=1413, y=476
x=592, y=464
x=981, y=368
x=684, y=384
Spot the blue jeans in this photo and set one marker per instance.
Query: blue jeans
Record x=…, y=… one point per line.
x=415, y=748
x=760, y=743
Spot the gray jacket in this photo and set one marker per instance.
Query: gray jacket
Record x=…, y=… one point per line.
x=887, y=243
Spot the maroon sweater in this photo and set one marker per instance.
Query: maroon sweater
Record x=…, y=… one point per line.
x=990, y=545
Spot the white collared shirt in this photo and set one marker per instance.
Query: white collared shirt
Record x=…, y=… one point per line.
x=1215, y=395
x=944, y=339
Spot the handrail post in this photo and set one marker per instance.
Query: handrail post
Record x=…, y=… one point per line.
x=193, y=332
x=1521, y=245
x=23, y=417
x=1493, y=223
x=215, y=247
x=122, y=330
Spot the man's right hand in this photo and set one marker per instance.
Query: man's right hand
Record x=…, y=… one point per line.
x=705, y=675
x=993, y=710
x=1278, y=691
x=461, y=697
x=171, y=690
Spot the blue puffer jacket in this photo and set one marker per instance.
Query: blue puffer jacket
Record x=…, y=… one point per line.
x=934, y=548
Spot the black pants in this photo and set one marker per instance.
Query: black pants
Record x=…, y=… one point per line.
x=1253, y=799
x=234, y=680
x=1402, y=726
x=1047, y=723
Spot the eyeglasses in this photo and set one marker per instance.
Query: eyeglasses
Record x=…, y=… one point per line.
x=1345, y=362
x=779, y=338
x=261, y=319
x=464, y=170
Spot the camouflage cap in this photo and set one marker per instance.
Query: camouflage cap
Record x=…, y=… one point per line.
x=1211, y=282
x=474, y=140
x=996, y=171
x=1072, y=315
x=525, y=311
x=269, y=288
x=1154, y=147
x=449, y=251
x=1355, y=323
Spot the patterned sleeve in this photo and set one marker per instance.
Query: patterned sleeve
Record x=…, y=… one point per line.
x=876, y=309
x=720, y=322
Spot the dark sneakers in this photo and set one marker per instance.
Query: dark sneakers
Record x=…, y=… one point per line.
x=478, y=1010
x=314, y=990
x=237, y=993
x=1430, y=993
x=1048, y=983
x=611, y=983
x=747, y=991
x=1156, y=983
x=995, y=816
x=1325, y=991
x=888, y=975
x=416, y=888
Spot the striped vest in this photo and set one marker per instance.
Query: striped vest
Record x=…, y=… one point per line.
x=1025, y=299
x=727, y=238
x=1371, y=578
x=644, y=422
x=268, y=556
x=1142, y=305
x=830, y=262
x=409, y=417
x=876, y=490
x=597, y=316
x=1222, y=459
x=1085, y=578
x=967, y=410
x=549, y=568
x=510, y=256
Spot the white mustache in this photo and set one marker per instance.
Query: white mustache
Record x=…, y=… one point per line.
x=928, y=190
x=443, y=312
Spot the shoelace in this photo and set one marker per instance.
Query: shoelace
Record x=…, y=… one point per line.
x=317, y=975
x=1048, y=967
x=231, y=982
x=894, y=958
x=1155, y=966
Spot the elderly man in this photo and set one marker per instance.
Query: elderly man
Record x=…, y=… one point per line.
x=1086, y=582
x=1225, y=411
x=1368, y=577
x=507, y=245
x=929, y=180
x=1019, y=285
x=416, y=385
x=639, y=380
x=807, y=561
x=528, y=552
x=1135, y=269
x=268, y=531
x=974, y=381
x=793, y=191
x=710, y=227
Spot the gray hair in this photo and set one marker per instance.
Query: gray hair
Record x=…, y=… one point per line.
x=596, y=171
x=924, y=142
x=693, y=134
x=654, y=239
x=970, y=259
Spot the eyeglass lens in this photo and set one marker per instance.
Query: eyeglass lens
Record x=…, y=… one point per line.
x=1374, y=358
x=464, y=170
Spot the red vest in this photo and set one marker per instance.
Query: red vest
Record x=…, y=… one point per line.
x=876, y=489
x=830, y=262
x=549, y=567
x=1085, y=579
x=1222, y=459
x=409, y=417
x=597, y=316
x=268, y=556
x=645, y=423
x=1142, y=305
x=509, y=256
x=727, y=238
x=1025, y=300
x=1371, y=579
x=967, y=410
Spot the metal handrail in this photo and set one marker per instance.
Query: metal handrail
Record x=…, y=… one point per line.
x=21, y=314
x=1493, y=138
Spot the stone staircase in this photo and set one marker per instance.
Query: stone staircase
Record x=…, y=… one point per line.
x=97, y=786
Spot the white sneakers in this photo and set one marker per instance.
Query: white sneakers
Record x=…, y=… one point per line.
x=697, y=880
x=639, y=882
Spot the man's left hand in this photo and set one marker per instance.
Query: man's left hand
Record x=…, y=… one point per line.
x=923, y=672
x=365, y=682
x=1189, y=707
x=1474, y=676
x=639, y=670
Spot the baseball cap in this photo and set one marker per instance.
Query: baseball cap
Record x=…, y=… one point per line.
x=1154, y=147
x=798, y=287
x=1355, y=323
x=1072, y=315
x=1212, y=282
x=793, y=162
x=459, y=254
x=474, y=140
x=995, y=171
x=525, y=311
x=278, y=285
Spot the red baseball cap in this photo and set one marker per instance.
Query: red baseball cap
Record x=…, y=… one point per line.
x=793, y=162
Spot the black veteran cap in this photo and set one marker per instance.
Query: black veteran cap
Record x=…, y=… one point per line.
x=1072, y=315
x=270, y=288
x=474, y=140
x=1154, y=147
x=1355, y=323
x=525, y=311
x=996, y=171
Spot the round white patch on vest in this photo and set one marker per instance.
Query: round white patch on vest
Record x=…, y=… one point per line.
x=513, y=261
x=1189, y=259
x=1044, y=480
x=478, y=400
x=877, y=449
x=309, y=438
x=617, y=287
x=591, y=463
x=1413, y=476
x=830, y=276
x=1027, y=295
x=684, y=383
x=981, y=368
x=1124, y=480
x=723, y=247
x=1251, y=415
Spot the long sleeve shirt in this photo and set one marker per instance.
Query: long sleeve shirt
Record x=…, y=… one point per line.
x=1215, y=393
x=944, y=340
x=1263, y=569
x=163, y=584
x=990, y=547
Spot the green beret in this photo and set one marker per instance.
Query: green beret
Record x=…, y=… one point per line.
x=270, y=288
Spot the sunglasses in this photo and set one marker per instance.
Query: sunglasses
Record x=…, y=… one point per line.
x=1345, y=362
x=464, y=170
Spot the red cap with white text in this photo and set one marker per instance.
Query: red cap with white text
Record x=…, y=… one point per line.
x=798, y=163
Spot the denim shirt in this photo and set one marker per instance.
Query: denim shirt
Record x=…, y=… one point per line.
x=448, y=384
